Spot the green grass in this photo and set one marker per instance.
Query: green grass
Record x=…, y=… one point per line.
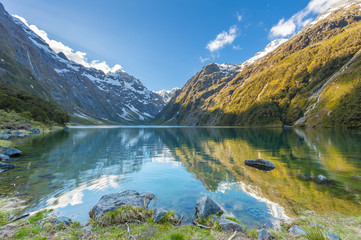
x=123, y=214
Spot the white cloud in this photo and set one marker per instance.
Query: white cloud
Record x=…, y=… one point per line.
x=223, y=39
x=283, y=28
x=239, y=17
x=237, y=47
x=76, y=56
x=302, y=18
x=202, y=59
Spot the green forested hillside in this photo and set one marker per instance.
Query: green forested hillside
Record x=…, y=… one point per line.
x=311, y=80
x=19, y=105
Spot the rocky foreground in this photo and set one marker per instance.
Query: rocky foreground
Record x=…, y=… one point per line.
x=125, y=215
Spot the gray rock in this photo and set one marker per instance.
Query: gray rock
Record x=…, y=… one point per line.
x=16, y=133
x=21, y=135
x=321, y=179
x=111, y=202
x=64, y=220
x=356, y=177
x=230, y=226
x=261, y=164
x=331, y=236
x=7, y=131
x=158, y=214
x=4, y=157
x=5, y=136
x=265, y=235
x=206, y=207
x=297, y=230
x=35, y=131
x=6, y=166
x=12, y=152
x=87, y=228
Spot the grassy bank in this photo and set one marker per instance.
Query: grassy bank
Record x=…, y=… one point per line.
x=129, y=221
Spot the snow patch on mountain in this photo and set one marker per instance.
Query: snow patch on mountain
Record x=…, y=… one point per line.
x=167, y=94
x=269, y=48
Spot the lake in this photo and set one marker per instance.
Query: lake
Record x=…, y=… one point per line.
x=71, y=170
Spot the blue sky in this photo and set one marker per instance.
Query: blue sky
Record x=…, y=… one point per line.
x=162, y=42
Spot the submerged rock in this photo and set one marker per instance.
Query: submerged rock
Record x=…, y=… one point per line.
x=158, y=214
x=297, y=230
x=111, y=202
x=65, y=220
x=230, y=226
x=12, y=152
x=206, y=207
x=265, y=235
x=6, y=166
x=261, y=164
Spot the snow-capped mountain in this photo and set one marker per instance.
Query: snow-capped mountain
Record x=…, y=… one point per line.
x=85, y=92
x=167, y=94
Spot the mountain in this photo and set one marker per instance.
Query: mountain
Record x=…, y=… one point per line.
x=29, y=64
x=309, y=80
x=167, y=94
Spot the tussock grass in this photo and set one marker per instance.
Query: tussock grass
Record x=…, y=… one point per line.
x=125, y=214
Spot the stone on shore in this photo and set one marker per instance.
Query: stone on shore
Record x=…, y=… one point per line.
x=111, y=202
x=6, y=166
x=261, y=164
x=331, y=236
x=35, y=131
x=67, y=221
x=4, y=157
x=265, y=235
x=12, y=152
x=5, y=136
x=297, y=230
x=230, y=226
x=158, y=214
x=206, y=207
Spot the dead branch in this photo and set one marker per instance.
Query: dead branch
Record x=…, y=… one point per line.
x=234, y=234
x=200, y=225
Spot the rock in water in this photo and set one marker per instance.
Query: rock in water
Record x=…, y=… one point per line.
x=261, y=164
x=5, y=136
x=6, y=166
x=12, y=152
x=230, y=226
x=265, y=235
x=111, y=202
x=321, y=179
x=35, y=131
x=206, y=207
x=158, y=214
x=297, y=230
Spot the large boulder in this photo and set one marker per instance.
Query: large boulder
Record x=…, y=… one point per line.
x=297, y=230
x=158, y=214
x=12, y=152
x=206, y=207
x=261, y=164
x=111, y=202
x=6, y=166
x=265, y=235
x=230, y=226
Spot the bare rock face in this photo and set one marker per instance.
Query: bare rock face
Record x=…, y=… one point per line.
x=206, y=207
x=111, y=202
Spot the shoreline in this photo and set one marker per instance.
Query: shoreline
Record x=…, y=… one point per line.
x=43, y=224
